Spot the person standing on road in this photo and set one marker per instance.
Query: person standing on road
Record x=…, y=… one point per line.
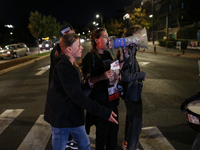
x=65, y=102
x=132, y=78
x=106, y=132
x=55, y=58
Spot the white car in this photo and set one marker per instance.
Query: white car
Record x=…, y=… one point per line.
x=14, y=50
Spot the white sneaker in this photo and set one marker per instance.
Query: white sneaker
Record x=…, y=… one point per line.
x=71, y=144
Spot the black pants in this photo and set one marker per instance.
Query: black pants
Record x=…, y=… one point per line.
x=133, y=124
x=106, y=131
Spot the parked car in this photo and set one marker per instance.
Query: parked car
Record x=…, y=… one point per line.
x=46, y=45
x=14, y=50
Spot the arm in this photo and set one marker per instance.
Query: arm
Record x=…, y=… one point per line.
x=89, y=65
x=69, y=80
x=94, y=79
x=126, y=76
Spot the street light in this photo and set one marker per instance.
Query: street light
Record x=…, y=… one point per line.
x=102, y=24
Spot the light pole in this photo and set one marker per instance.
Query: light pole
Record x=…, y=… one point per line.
x=101, y=21
x=153, y=22
x=126, y=17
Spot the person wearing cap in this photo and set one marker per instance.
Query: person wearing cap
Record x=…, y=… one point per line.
x=55, y=58
x=67, y=29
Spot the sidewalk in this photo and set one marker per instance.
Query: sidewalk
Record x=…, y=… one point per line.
x=170, y=51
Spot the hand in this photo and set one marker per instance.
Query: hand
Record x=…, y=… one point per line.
x=121, y=55
x=90, y=83
x=112, y=119
x=107, y=74
x=144, y=79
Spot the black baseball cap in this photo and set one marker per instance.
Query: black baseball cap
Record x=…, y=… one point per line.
x=65, y=29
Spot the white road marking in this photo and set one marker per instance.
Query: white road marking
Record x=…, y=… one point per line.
x=7, y=117
x=152, y=139
x=38, y=136
x=143, y=63
x=43, y=70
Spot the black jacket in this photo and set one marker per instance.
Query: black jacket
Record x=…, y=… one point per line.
x=132, y=77
x=65, y=101
x=54, y=60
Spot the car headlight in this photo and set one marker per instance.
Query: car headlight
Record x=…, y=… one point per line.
x=82, y=40
x=46, y=45
x=40, y=45
x=8, y=52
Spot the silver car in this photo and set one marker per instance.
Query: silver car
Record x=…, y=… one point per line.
x=14, y=50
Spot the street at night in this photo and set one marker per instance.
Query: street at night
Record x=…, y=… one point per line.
x=170, y=80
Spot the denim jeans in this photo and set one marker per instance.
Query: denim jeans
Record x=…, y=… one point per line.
x=134, y=113
x=60, y=138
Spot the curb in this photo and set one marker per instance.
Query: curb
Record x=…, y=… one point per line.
x=22, y=64
x=172, y=54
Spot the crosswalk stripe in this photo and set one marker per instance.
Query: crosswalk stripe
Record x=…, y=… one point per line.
x=143, y=63
x=38, y=136
x=152, y=139
x=7, y=117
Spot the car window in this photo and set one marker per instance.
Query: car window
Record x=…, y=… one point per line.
x=21, y=45
x=9, y=47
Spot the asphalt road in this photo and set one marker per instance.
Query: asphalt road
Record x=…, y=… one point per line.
x=170, y=80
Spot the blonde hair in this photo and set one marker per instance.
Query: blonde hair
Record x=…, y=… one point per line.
x=65, y=41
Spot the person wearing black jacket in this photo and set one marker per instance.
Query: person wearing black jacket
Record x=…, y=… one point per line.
x=132, y=78
x=55, y=58
x=65, y=102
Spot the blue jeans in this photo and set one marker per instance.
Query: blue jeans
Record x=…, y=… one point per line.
x=60, y=138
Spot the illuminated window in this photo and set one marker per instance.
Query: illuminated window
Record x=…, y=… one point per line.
x=170, y=8
x=182, y=5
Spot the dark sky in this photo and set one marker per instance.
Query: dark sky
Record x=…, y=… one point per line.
x=72, y=11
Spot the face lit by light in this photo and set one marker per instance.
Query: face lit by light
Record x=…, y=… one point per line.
x=76, y=49
x=103, y=41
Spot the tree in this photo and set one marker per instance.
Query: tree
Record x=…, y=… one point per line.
x=50, y=27
x=138, y=16
x=114, y=27
x=36, y=25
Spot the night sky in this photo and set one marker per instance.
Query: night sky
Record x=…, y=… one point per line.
x=72, y=11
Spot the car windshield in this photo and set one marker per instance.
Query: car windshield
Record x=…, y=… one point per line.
x=9, y=47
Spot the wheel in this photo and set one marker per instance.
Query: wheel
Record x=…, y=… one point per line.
x=26, y=53
x=14, y=55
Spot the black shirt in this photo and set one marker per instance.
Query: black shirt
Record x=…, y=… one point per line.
x=102, y=64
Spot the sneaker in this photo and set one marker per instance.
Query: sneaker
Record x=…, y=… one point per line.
x=124, y=145
x=71, y=144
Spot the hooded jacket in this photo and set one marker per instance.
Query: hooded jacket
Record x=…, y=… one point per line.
x=65, y=102
x=132, y=77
